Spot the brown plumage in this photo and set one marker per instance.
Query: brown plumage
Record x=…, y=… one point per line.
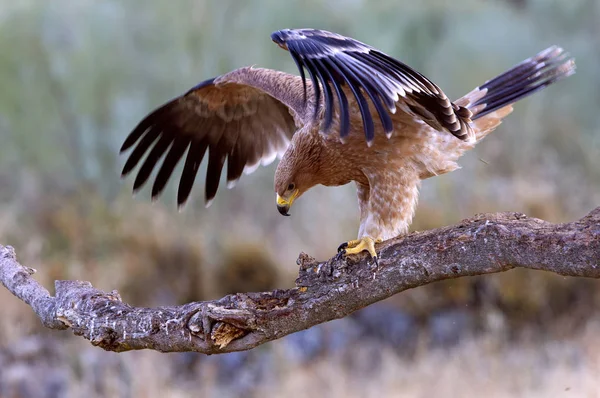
x=357, y=115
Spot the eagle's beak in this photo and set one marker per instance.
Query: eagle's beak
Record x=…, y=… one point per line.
x=283, y=210
x=283, y=205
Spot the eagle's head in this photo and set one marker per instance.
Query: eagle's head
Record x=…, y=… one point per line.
x=297, y=171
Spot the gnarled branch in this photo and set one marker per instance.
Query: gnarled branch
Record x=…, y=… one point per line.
x=325, y=290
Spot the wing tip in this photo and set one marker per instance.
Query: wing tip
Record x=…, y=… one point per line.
x=154, y=198
x=125, y=146
x=155, y=194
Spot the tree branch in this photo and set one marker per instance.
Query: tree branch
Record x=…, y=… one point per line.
x=325, y=290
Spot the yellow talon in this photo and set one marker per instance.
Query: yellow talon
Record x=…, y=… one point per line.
x=356, y=246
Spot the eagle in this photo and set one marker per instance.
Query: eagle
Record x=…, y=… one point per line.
x=354, y=114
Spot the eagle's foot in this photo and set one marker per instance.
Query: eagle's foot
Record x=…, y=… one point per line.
x=356, y=246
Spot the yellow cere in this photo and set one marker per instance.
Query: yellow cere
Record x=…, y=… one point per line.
x=287, y=202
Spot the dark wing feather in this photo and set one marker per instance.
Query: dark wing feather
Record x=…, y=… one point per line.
x=168, y=166
x=342, y=100
x=333, y=59
x=525, y=78
x=236, y=123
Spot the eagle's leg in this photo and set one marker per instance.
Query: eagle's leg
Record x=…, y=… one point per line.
x=366, y=243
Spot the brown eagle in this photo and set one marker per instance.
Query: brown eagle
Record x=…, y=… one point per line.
x=361, y=116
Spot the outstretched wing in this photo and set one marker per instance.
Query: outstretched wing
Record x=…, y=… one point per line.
x=335, y=60
x=236, y=122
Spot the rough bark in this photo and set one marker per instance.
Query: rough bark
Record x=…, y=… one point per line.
x=324, y=290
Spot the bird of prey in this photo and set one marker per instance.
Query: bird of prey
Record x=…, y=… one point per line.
x=354, y=114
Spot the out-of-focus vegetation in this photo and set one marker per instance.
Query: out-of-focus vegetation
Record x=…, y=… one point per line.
x=75, y=77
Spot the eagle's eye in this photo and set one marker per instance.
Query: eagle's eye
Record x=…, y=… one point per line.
x=291, y=187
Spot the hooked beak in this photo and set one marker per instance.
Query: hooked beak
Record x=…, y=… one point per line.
x=283, y=210
x=283, y=205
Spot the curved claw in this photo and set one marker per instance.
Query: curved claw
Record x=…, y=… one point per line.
x=365, y=243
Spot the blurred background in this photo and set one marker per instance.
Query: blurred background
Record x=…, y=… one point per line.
x=76, y=77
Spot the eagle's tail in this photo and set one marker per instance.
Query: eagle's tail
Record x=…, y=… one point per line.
x=492, y=101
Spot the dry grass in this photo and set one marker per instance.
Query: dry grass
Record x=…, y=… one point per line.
x=525, y=333
x=477, y=367
x=484, y=365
